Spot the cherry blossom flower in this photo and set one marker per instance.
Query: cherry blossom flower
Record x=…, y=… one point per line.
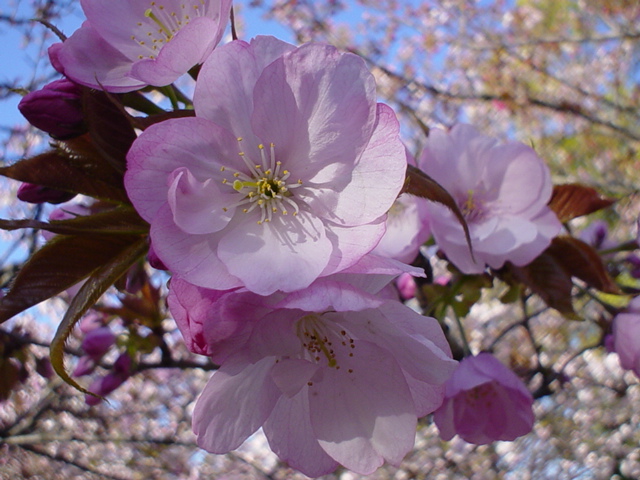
x=626, y=336
x=332, y=374
x=128, y=44
x=484, y=402
x=502, y=190
x=407, y=229
x=283, y=178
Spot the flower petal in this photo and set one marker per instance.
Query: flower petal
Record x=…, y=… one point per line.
x=365, y=417
x=288, y=430
x=234, y=404
x=284, y=254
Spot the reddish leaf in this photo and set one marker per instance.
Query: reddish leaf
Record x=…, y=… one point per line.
x=422, y=185
x=546, y=277
x=9, y=376
x=109, y=127
x=144, y=122
x=574, y=200
x=581, y=260
x=120, y=220
x=55, y=169
x=98, y=283
x=58, y=265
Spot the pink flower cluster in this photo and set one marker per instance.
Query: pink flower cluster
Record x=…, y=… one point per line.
x=277, y=211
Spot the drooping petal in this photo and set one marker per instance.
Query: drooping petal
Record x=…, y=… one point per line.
x=365, y=417
x=288, y=430
x=234, y=404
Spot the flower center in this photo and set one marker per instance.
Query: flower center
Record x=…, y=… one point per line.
x=472, y=208
x=267, y=186
x=320, y=339
x=482, y=396
x=160, y=25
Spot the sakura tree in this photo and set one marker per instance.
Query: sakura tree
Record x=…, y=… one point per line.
x=399, y=243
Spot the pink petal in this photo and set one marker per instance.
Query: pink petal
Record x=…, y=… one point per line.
x=189, y=47
x=352, y=243
x=196, y=205
x=366, y=417
x=234, y=404
x=288, y=430
x=219, y=73
x=376, y=180
x=166, y=146
x=318, y=107
x=286, y=254
x=89, y=60
x=191, y=256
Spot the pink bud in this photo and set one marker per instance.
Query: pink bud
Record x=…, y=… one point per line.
x=97, y=342
x=122, y=365
x=56, y=109
x=85, y=366
x=626, y=336
x=484, y=402
x=406, y=286
x=91, y=321
x=31, y=193
x=103, y=386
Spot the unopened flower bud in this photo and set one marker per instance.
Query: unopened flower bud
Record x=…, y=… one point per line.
x=97, y=342
x=56, y=109
x=31, y=193
x=85, y=366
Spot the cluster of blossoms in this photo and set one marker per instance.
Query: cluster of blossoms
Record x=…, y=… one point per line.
x=277, y=210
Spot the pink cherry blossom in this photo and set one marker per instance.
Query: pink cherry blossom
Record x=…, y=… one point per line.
x=484, y=402
x=502, y=190
x=283, y=178
x=407, y=229
x=626, y=336
x=333, y=375
x=127, y=44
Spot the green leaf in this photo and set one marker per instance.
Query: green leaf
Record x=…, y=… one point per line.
x=98, y=283
x=121, y=220
x=422, y=185
x=60, y=264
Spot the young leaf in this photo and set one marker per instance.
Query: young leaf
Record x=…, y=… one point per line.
x=582, y=261
x=58, y=265
x=55, y=169
x=546, y=278
x=98, y=283
x=109, y=127
x=121, y=220
x=574, y=200
x=422, y=185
